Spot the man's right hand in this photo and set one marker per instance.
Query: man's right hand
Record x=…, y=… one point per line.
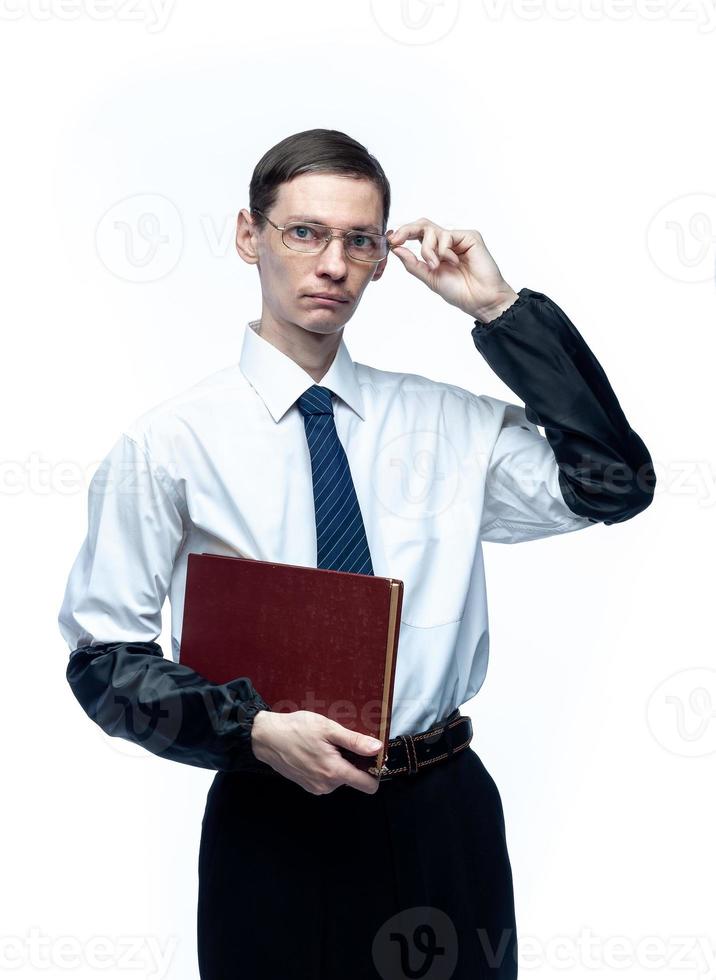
x=301, y=745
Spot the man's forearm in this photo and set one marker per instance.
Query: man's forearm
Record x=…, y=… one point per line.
x=131, y=690
x=605, y=469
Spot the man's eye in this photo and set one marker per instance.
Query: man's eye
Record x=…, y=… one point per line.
x=364, y=242
x=303, y=232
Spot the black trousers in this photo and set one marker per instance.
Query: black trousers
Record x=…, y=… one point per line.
x=412, y=882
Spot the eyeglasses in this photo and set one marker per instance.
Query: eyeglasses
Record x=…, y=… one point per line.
x=302, y=236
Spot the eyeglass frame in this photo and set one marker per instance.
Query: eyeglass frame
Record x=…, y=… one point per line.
x=327, y=241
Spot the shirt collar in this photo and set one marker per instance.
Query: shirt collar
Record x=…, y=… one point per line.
x=279, y=381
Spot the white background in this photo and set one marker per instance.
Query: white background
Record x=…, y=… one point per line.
x=578, y=139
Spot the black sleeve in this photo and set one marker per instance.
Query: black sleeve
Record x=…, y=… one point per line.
x=132, y=691
x=605, y=470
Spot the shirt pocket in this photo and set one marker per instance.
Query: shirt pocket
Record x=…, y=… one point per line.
x=434, y=557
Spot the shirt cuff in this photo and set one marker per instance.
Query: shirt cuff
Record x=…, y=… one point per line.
x=522, y=296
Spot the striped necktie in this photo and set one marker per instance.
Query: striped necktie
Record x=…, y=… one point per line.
x=342, y=542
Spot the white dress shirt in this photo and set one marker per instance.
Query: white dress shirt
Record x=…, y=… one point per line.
x=224, y=467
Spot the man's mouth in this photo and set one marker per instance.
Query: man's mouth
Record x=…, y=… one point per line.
x=329, y=298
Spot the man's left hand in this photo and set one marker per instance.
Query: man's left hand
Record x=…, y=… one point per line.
x=457, y=266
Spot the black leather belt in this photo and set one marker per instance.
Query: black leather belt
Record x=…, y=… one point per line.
x=410, y=754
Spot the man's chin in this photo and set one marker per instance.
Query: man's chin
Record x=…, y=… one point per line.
x=323, y=319
x=322, y=326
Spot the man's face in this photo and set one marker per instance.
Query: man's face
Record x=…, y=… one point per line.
x=290, y=279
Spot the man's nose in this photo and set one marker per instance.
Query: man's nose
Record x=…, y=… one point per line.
x=332, y=260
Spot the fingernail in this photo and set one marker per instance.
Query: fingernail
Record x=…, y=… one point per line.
x=374, y=743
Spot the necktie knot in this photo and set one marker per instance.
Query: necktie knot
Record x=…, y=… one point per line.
x=316, y=401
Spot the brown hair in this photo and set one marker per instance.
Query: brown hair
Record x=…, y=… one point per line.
x=313, y=151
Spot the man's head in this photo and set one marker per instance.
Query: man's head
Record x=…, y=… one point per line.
x=323, y=176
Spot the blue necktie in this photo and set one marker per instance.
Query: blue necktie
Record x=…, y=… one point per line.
x=342, y=542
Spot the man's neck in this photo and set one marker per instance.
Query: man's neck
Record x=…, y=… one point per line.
x=314, y=352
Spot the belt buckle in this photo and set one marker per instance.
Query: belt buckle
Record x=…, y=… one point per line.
x=383, y=772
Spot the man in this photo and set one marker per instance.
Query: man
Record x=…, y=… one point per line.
x=309, y=867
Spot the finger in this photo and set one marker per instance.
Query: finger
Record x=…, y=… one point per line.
x=428, y=248
x=436, y=242
x=413, y=264
x=347, y=738
x=352, y=776
x=413, y=230
x=445, y=240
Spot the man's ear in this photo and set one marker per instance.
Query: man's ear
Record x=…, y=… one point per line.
x=245, y=235
x=379, y=270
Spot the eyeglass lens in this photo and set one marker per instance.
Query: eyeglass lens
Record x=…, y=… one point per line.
x=358, y=244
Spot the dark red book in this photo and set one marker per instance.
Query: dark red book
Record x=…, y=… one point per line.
x=308, y=638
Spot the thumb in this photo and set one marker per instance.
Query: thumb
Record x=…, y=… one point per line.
x=412, y=263
x=355, y=741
